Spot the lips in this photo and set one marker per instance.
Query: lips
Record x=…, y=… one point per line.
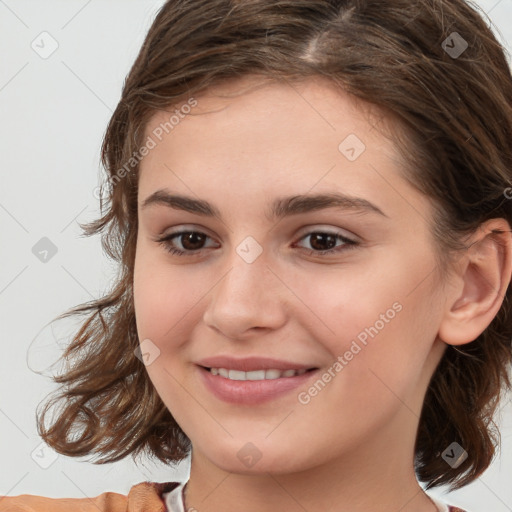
x=248, y=391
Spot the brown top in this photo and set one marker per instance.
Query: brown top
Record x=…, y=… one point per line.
x=142, y=497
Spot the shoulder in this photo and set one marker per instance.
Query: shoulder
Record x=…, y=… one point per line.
x=145, y=496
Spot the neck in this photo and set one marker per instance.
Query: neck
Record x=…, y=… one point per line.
x=357, y=481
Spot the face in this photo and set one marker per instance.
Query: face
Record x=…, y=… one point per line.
x=343, y=289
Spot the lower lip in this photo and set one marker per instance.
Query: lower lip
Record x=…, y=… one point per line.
x=251, y=392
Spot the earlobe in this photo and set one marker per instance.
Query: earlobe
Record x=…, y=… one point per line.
x=484, y=277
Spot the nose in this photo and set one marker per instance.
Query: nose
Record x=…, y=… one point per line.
x=248, y=300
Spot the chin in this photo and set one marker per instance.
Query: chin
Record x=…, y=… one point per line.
x=251, y=458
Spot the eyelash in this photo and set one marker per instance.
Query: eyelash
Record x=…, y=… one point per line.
x=167, y=241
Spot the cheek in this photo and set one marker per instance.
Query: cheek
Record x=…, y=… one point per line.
x=339, y=304
x=164, y=296
x=164, y=300
x=381, y=317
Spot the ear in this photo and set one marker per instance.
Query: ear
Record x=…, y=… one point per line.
x=477, y=290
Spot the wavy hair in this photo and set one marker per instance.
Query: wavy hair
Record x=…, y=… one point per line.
x=453, y=118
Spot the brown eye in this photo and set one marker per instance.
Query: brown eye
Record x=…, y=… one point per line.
x=324, y=242
x=191, y=242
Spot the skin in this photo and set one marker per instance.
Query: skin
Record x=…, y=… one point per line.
x=351, y=447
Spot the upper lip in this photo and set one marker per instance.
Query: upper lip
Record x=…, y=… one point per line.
x=248, y=364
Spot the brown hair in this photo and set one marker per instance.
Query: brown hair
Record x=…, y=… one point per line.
x=455, y=114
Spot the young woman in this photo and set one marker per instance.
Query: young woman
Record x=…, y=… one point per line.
x=309, y=201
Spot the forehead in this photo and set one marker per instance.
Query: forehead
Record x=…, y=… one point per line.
x=257, y=116
x=261, y=139
x=320, y=104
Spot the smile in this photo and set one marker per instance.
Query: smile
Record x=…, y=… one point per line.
x=253, y=387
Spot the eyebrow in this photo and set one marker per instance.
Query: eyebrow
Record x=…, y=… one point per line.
x=280, y=208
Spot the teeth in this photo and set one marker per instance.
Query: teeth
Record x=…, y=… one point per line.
x=256, y=374
x=273, y=374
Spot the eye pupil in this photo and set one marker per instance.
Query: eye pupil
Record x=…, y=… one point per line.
x=322, y=238
x=192, y=240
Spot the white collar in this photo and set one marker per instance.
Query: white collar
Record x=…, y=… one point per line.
x=174, y=499
x=443, y=507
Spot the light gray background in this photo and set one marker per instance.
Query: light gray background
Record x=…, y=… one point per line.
x=54, y=112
